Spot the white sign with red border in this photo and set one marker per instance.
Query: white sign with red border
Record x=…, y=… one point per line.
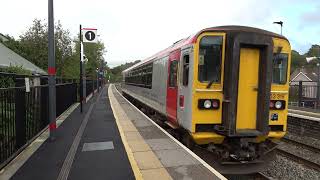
x=89, y=35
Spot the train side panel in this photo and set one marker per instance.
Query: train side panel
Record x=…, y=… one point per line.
x=156, y=96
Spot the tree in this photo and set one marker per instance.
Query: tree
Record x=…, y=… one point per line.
x=94, y=53
x=313, y=51
x=34, y=44
x=115, y=73
x=297, y=60
x=63, y=48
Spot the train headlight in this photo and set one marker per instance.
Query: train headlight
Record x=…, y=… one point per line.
x=207, y=104
x=277, y=104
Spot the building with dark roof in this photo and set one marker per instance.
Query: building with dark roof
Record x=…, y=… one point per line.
x=309, y=78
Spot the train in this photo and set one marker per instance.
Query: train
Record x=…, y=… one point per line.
x=224, y=88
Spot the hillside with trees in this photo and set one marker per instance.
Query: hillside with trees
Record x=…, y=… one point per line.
x=299, y=60
x=33, y=46
x=115, y=73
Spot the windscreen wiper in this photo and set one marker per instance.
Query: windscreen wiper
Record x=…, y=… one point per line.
x=210, y=83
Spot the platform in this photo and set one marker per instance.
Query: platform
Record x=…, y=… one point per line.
x=111, y=139
x=156, y=153
x=304, y=113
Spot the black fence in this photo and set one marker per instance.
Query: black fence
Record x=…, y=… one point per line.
x=304, y=94
x=89, y=87
x=92, y=85
x=24, y=111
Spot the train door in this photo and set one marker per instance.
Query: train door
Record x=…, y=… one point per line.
x=185, y=91
x=172, y=86
x=248, y=88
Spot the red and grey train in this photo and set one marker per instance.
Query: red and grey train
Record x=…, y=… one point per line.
x=225, y=88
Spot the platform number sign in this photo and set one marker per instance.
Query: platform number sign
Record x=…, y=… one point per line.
x=89, y=35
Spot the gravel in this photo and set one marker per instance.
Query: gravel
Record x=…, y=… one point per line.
x=300, y=151
x=284, y=168
x=303, y=139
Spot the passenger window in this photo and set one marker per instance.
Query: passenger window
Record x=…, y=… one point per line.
x=210, y=57
x=185, y=71
x=173, y=73
x=141, y=76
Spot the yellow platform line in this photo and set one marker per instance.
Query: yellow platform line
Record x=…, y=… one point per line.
x=134, y=165
x=204, y=163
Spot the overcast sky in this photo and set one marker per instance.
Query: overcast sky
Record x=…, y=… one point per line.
x=136, y=29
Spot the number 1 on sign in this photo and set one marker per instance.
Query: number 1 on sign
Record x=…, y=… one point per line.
x=89, y=35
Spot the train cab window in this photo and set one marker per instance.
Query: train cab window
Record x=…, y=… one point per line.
x=280, y=68
x=173, y=73
x=210, y=57
x=185, y=70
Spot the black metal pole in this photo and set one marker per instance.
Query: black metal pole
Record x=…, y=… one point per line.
x=300, y=94
x=97, y=79
x=318, y=84
x=81, y=90
x=51, y=71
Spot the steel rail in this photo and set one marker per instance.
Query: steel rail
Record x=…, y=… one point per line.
x=306, y=146
x=298, y=159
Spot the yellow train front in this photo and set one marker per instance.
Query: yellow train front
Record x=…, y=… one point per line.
x=226, y=87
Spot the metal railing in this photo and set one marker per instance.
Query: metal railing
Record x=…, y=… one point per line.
x=304, y=94
x=24, y=111
x=92, y=85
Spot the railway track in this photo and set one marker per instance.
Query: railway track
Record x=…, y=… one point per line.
x=305, y=146
x=299, y=159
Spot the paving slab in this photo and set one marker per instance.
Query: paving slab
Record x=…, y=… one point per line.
x=189, y=172
x=147, y=160
x=139, y=146
x=162, y=144
x=156, y=174
x=175, y=157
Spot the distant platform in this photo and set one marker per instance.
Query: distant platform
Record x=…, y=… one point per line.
x=304, y=113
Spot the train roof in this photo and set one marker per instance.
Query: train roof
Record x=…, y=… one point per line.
x=192, y=39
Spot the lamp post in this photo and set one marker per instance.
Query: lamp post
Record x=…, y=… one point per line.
x=51, y=72
x=318, y=82
x=80, y=74
x=280, y=23
x=84, y=78
x=97, y=79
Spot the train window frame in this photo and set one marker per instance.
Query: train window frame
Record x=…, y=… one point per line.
x=202, y=61
x=140, y=76
x=185, y=70
x=282, y=80
x=173, y=82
